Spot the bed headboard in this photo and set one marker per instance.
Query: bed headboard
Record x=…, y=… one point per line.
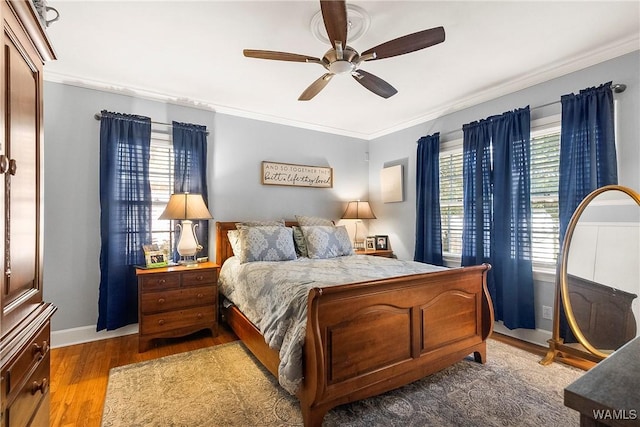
x=223, y=247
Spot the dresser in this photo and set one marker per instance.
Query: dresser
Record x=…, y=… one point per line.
x=176, y=301
x=24, y=316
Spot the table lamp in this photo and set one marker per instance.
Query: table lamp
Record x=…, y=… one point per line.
x=186, y=207
x=358, y=210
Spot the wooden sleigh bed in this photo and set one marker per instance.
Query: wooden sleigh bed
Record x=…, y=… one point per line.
x=363, y=339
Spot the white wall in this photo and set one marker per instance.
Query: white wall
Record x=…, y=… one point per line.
x=398, y=219
x=236, y=148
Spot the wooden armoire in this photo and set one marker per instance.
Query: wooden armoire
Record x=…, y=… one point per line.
x=25, y=317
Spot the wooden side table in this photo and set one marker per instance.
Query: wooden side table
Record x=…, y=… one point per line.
x=387, y=253
x=176, y=301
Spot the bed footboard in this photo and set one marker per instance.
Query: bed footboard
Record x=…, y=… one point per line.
x=367, y=338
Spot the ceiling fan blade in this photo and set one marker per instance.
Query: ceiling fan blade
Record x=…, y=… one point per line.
x=406, y=44
x=374, y=83
x=315, y=87
x=279, y=56
x=334, y=14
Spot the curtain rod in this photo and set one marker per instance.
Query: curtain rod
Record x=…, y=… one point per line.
x=98, y=117
x=617, y=88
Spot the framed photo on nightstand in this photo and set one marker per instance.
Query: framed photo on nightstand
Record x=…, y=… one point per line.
x=382, y=243
x=370, y=243
x=154, y=257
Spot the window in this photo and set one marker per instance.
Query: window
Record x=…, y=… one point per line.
x=161, y=179
x=451, y=210
x=545, y=164
x=545, y=172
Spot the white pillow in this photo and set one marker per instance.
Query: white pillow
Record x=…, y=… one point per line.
x=313, y=220
x=234, y=241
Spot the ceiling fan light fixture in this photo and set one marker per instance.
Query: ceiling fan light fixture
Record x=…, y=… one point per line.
x=358, y=22
x=341, y=67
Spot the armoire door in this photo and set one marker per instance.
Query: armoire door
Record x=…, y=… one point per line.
x=21, y=287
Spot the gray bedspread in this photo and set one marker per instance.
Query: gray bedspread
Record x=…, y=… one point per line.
x=273, y=296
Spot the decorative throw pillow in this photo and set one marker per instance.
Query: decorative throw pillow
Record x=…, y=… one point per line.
x=234, y=240
x=277, y=222
x=300, y=243
x=327, y=242
x=313, y=220
x=266, y=243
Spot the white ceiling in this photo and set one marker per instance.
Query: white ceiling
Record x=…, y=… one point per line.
x=190, y=52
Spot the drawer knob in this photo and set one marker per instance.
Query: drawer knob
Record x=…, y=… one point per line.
x=200, y=295
x=161, y=322
x=40, y=349
x=40, y=387
x=161, y=282
x=161, y=300
x=200, y=278
x=199, y=315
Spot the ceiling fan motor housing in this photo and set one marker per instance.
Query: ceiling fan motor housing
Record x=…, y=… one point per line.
x=348, y=63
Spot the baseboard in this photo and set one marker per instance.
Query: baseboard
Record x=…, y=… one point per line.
x=84, y=334
x=534, y=336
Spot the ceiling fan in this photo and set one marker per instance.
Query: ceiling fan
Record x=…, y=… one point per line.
x=341, y=58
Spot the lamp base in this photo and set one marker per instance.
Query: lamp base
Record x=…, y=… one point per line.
x=188, y=260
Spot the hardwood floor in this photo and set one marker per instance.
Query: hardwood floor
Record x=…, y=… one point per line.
x=79, y=373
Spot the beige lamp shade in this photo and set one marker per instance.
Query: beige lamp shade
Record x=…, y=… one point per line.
x=186, y=206
x=358, y=210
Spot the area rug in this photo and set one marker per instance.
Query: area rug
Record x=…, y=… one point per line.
x=225, y=386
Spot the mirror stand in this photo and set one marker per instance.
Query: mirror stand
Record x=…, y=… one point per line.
x=570, y=354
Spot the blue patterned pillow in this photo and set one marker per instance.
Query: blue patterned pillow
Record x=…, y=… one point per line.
x=266, y=243
x=327, y=241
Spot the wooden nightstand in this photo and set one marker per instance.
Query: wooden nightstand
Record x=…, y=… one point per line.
x=176, y=301
x=387, y=253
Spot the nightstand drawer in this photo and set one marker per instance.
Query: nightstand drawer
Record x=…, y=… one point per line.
x=197, y=278
x=161, y=322
x=160, y=281
x=153, y=302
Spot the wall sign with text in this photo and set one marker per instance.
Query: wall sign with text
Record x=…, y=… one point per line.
x=296, y=175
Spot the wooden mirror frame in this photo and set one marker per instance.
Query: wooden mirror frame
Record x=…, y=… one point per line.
x=557, y=347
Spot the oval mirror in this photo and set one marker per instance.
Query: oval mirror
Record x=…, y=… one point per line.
x=600, y=270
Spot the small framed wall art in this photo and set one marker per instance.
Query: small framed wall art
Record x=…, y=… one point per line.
x=391, y=184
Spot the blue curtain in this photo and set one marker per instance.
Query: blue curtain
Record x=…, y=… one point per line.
x=477, y=195
x=125, y=214
x=587, y=156
x=428, y=226
x=190, y=165
x=511, y=245
x=587, y=148
x=497, y=212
